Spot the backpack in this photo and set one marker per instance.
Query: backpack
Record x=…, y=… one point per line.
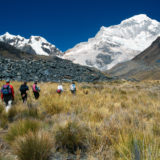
x=6, y=90
x=35, y=88
x=23, y=88
x=73, y=87
x=58, y=91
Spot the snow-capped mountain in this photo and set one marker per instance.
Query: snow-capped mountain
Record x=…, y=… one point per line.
x=34, y=45
x=116, y=44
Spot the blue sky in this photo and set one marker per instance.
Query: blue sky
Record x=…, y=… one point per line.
x=68, y=22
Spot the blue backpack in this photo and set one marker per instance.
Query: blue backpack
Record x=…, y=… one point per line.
x=73, y=87
x=6, y=90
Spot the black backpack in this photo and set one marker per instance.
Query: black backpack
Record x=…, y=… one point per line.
x=23, y=88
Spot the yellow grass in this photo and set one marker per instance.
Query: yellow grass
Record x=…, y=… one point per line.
x=121, y=119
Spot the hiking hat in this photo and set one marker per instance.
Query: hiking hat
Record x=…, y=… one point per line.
x=7, y=80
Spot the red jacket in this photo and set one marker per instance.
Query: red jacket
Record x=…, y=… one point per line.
x=11, y=90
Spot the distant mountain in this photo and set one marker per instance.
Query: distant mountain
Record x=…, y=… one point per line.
x=146, y=65
x=34, y=45
x=9, y=51
x=116, y=44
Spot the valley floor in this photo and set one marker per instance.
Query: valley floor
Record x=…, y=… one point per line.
x=117, y=120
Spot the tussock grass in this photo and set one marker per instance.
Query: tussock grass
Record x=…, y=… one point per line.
x=115, y=120
x=71, y=136
x=53, y=105
x=21, y=128
x=34, y=146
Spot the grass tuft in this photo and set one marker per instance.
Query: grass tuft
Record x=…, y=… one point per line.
x=21, y=128
x=34, y=146
x=71, y=137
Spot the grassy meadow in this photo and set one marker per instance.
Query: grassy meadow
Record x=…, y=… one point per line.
x=104, y=121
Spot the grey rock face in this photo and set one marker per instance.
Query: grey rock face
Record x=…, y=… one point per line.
x=52, y=70
x=28, y=49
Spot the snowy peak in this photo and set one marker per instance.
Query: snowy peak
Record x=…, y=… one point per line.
x=7, y=35
x=137, y=18
x=34, y=45
x=131, y=27
x=11, y=39
x=116, y=44
x=141, y=18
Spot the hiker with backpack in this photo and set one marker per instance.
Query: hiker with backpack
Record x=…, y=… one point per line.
x=7, y=94
x=23, y=89
x=73, y=88
x=59, y=88
x=36, y=90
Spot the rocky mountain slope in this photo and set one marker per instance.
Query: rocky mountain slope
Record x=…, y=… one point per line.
x=34, y=45
x=151, y=55
x=20, y=66
x=116, y=44
x=146, y=65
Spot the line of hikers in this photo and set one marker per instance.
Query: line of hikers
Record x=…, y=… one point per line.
x=7, y=92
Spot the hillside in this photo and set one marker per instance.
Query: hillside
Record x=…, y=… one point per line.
x=9, y=51
x=146, y=65
x=20, y=66
x=151, y=55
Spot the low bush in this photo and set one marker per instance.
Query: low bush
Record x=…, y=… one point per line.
x=34, y=146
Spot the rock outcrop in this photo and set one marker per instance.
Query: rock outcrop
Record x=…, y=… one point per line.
x=52, y=70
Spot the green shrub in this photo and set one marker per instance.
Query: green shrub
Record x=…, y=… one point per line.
x=21, y=128
x=34, y=146
x=71, y=137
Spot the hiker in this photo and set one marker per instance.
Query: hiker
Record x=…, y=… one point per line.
x=7, y=94
x=23, y=89
x=36, y=90
x=73, y=88
x=59, y=88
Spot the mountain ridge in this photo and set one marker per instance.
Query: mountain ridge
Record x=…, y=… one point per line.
x=116, y=44
x=110, y=46
x=34, y=45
